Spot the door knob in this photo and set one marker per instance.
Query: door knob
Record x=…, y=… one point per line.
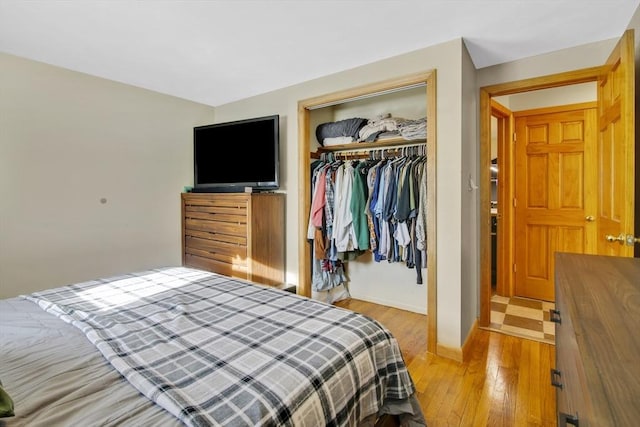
x=632, y=240
x=590, y=218
x=629, y=239
x=611, y=238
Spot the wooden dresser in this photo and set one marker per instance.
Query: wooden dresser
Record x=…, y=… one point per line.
x=597, y=317
x=235, y=234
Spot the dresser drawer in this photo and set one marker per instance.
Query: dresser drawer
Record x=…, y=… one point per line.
x=569, y=379
x=216, y=266
x=217, y=213
x=215, y=248
x=217, y=200
x=235, y=233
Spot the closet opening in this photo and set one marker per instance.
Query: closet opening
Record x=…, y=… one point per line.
x=411, y=97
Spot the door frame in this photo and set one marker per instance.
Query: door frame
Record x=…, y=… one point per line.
x=504, y=250
x=486, y=94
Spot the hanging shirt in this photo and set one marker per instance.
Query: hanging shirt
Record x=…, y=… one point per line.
x=371, y=177
x=319, y=200
x=359, y=195
x=421, y=219
x=343, y=231
x=311, y=229
x=375, y=176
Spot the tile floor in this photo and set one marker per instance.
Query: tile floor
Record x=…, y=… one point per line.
x=522, y=317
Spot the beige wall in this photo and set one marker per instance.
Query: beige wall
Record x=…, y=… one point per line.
x=564, y=95
x=584, y=56
x=68, y=140
x=470, y=194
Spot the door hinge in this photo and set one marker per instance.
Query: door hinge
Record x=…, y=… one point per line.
x=514, y=268
x=515, y=202
x=514, y=137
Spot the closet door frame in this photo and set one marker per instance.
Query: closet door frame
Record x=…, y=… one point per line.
x=426, y=79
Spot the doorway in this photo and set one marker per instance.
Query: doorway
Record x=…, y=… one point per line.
x=615, y=154
x=541, y=158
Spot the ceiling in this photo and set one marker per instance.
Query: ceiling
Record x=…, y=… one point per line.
x=219, y=51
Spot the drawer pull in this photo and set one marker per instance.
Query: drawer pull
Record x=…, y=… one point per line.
x=566, y=419
x=554, y=316
x=556, y=383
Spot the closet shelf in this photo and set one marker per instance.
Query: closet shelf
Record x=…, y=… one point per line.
x=385, y=143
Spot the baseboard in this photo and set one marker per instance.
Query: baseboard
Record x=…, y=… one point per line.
x=466, y=347
x=394, y=304
x=459, y=354
x=453, y=353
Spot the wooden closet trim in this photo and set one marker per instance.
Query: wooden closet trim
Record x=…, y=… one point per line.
x=427, y=78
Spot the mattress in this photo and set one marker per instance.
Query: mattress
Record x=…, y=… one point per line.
x=56, y=377
x=180, y=346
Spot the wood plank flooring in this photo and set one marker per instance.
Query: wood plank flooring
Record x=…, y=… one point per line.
x=505, y=382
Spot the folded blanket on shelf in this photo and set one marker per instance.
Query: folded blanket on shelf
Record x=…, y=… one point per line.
x=377, y=125
x=341, y=128
x=337, y=140
x=413, y=129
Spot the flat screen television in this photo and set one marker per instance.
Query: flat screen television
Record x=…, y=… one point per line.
x=233, y=156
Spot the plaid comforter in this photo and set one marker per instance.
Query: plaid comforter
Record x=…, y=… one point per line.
x=213, y=350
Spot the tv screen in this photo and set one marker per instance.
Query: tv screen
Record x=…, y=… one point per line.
x=230, y=156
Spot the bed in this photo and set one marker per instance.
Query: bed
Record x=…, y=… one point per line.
x=181, y=346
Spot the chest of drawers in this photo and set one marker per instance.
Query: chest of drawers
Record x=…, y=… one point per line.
x=597, y=319
x=235, y=234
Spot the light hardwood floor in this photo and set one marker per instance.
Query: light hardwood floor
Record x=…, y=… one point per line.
x=505, y=382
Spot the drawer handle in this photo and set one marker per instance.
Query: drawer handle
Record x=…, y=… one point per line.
x=555, y=373
x=566, y=419
x=554, y=316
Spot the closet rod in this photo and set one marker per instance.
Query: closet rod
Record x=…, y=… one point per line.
x=389, y=148
x=381, y=152
x=366, y=150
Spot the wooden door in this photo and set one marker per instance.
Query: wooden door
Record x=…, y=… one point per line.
x=616, y=159
x=555, y=201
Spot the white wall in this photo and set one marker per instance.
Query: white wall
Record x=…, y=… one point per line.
x=68, y=140
x=446, y=59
